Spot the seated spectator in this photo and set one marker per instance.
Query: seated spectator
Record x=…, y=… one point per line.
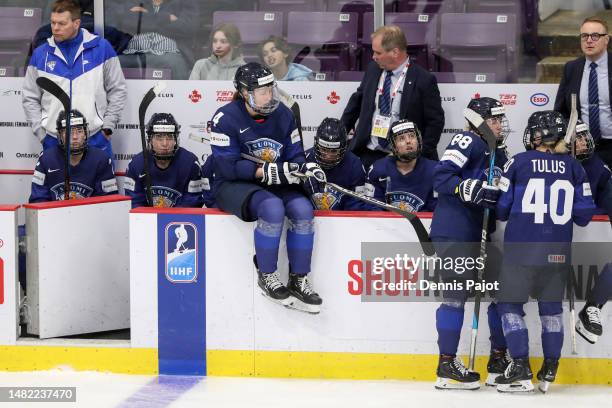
x=225, y=55
x=275, y=53
x=91, y=172
x=176, y=180
x=340, y=167
x=158, y=26
x=404, y=180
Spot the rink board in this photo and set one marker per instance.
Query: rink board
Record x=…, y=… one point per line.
x=246, y=335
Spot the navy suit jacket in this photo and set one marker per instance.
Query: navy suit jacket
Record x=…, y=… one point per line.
x=570, y=83
x=420, y=103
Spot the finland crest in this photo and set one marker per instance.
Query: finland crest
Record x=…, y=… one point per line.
x=405, y=201
x=77, y=190
x=164, y=196
x=267, y=150
x=181, y=251
x=326, y=200
x=497, y=173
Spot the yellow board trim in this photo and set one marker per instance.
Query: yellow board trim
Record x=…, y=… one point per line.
x=279, y=364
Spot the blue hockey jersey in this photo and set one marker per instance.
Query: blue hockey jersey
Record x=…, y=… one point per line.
x=411, y=192
x=543, y=195
x=600, y=179
x=179, y=185
x=350, y=174
x=467, y=156
x=93, y=176
x=208, y=178
x=240, y=144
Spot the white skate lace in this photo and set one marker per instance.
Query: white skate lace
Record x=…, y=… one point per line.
x=594, y=315
x=304, y=285
x=458, y=364
x=272, y=280
x=509, y=369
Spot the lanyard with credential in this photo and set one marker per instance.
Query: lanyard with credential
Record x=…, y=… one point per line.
x=399, y=82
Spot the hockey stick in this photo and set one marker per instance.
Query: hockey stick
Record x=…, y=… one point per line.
x=481, y=125
x=416, y=223
x=142, y=110
x=571, y=135
x=55, y=90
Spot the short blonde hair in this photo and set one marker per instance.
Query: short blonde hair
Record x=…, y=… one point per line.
x=391, y=37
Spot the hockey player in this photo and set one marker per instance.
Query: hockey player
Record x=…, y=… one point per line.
x=543, y=195
x=589, y=324
x=91, y=172
x=456, y=228
x=208, y=178
x=341, y=167
x=258, y=155
x=176, y=180
x=404, y=180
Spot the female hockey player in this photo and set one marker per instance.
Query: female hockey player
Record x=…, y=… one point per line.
x=404, y=180
x=456, y=229
x=91, y=172
x=258, y=162
x=176, y=180
x=589, y=324
x=543, y=195
x=341, y=167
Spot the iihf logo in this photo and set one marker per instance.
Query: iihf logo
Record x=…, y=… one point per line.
x=181, y=252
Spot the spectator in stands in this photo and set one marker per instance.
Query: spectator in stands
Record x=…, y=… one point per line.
x=588, y=78
x=275, y=53
x=225, y=55
x=119, y=40
x=86, y=67
x=159, y=28
x=393, y=88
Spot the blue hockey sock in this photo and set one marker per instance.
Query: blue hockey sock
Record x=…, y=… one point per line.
x=517, y=336
x=498, y=341
x=270, y=213
x=300, y=234
x=551, y=316
x=449, y=320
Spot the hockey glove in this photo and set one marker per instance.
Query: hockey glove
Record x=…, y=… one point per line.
x=280, y=173
x=478, y=192
x=313, y=170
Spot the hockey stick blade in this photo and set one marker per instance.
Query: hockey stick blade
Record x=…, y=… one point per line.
x=570, y=134
x=55, y=90
x=481, y=125
x=415, y=221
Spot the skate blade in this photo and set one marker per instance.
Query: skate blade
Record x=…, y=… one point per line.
x=297, y=304
x=450, y=384
x=585, y=334
x=283, y=302
x=491, y=379
x=523, y=386
x=543, y=386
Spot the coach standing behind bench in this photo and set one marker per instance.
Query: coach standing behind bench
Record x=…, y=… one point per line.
x=86, y=67
x=393, y=88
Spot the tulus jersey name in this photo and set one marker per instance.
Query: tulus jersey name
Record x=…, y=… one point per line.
x=548, y=166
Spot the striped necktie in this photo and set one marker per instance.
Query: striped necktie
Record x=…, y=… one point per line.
x=594, y=103
x=385, y=98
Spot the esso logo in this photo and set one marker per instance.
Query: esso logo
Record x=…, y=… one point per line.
x=539, y=99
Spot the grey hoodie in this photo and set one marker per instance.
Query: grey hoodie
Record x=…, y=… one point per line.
x=211, y=68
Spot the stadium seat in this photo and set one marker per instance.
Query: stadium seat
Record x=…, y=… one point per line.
x=324, y=41
x=429, y=6
x=7, y=71
x=420, y=31
x=147, y=73
x=464, y=77
x=17, y=28
x=286, y=6
x=355, y=76
x=478, y=42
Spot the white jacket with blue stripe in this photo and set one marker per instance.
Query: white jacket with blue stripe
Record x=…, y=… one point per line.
x=94, y=82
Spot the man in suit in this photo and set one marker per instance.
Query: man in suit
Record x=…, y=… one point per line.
x=393, y=88
x=589, y=78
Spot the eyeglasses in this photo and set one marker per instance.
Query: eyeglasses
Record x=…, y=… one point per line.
x=593, y=36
